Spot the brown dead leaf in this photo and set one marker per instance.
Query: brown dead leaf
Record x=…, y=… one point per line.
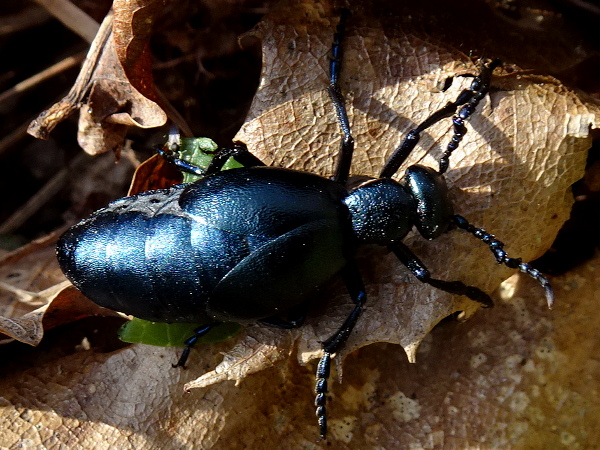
x=519, y=376
x=32, y=268
x=33, y=298
x=106, y=98
x=114, y=104
x=154, y=173
x=511, y=175
x=132, y=28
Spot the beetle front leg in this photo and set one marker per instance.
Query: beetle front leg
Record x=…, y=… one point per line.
x=356, y=289
x=239, y=152
x=419, y=270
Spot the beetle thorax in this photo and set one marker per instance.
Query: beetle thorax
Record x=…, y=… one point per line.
x=382, y=211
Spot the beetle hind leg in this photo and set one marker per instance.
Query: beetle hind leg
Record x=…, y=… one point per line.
x=356, y=289
x=239, y=152
x=191, y=341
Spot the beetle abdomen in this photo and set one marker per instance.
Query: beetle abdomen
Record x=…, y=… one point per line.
x=153, y=262
x=238, y=245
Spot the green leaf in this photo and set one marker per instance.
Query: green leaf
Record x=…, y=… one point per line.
x=138, y=331
x=200, y=151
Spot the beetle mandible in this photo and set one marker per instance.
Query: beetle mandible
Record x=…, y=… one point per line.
x=250, y=244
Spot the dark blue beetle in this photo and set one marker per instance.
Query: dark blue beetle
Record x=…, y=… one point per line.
x=251, y=243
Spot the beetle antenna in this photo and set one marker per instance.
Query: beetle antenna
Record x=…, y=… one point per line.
x=467, y=101
x=502, y=257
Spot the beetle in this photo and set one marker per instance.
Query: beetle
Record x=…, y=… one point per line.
x=250, y=244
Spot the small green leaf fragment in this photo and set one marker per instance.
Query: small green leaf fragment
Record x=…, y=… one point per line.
x=138, y=331
x=199, y=151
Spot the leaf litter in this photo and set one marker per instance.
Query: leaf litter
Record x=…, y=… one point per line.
x=524, y=148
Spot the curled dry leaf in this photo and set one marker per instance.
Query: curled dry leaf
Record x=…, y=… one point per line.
x=64, y=304
x=27, y=278
x=35, y=297
x=108, y=101
x=132, y=27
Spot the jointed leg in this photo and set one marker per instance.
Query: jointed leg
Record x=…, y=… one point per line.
x=468, y=99
x=410, y=260
x=190, y=342
x=335, y=66
x=239, y=151
x=356, y=290
x=183, y=166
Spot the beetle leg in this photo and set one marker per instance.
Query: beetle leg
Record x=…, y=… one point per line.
x=356, y=289
x=239, y=151
x=496, y=247
x=182, y=165
x=410, y=260
x=191, y=341
x=468, y=99
x=335, y=93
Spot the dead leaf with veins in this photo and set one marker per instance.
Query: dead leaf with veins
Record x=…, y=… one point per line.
x=114, y=90
x=516, y=376
x=511, y=175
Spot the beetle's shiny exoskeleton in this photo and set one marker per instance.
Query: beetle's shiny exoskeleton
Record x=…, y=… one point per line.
x=252, y=243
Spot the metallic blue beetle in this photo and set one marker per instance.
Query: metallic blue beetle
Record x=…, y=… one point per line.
x=252, y=243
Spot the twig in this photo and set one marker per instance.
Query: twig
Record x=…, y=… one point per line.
x=72, y=17
x=49, y=72
x=40, y=198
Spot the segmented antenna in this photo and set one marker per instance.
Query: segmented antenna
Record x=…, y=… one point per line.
x=496, y=247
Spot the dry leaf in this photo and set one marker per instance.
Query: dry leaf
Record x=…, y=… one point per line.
x=35, y=296
x=132, y=27
x=517, y=376
x=108, y=102
x=511, y=175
